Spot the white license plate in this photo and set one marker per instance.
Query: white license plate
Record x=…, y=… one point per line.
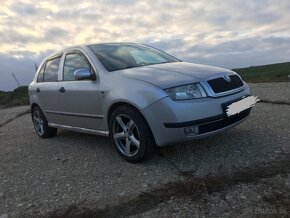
x=241, y=105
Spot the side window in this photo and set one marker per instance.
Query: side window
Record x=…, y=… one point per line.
x=51, y=70
x=73, y=62
x=40, y=74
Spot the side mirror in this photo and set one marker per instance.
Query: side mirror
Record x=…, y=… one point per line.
x=83, y=74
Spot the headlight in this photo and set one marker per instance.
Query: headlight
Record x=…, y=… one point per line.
x=186, y=92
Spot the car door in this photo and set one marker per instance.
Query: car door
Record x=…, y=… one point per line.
x=46, y=89
x=80, y=99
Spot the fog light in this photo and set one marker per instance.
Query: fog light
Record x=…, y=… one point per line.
x=191, y=130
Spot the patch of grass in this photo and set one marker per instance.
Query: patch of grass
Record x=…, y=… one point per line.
x=266, y=73
x=17, y=97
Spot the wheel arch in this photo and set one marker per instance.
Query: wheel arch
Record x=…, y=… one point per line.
x=33, y=106
x=118, y=104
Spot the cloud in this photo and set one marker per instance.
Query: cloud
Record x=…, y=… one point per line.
x=24, y=8
x=55, y=33
x=225, y=33
x=241, y=52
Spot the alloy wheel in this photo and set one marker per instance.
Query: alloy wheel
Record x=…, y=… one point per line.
x=38, y=122
x=126, y=135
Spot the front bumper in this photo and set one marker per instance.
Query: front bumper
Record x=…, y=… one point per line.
x=169, y=120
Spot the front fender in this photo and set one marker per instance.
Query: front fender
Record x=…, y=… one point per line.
x=137, y=93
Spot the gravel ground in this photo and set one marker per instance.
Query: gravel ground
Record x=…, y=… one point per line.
x=8, y=114
x=277, y=92
x=264, y=198
x=260, y=139
x=76, y=174
x=38, y=176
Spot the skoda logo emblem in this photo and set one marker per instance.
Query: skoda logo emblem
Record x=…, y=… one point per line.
x=227, y=78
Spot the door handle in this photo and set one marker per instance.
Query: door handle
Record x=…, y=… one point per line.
x=62, y=90
x=37, y=90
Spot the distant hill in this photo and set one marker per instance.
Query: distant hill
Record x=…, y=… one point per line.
x=17, y=97
x=266, y=73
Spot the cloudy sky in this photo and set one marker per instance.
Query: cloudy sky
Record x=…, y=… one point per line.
x=228, y=33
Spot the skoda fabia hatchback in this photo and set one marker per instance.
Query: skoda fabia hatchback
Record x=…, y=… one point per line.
x=137, y=95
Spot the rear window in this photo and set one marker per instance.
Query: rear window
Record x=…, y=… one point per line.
x=51, y=70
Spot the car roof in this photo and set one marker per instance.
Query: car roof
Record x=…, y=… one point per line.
x=55, y=54
x=113, y=43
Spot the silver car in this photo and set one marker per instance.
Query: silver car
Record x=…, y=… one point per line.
x=137, y=95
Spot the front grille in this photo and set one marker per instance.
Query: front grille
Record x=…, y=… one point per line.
x=209, y=127
x=220, y=84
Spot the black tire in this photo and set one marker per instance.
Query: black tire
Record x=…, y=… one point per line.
x=45, y=131
x=147, y=147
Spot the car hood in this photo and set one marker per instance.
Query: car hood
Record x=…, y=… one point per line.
x=173, y=74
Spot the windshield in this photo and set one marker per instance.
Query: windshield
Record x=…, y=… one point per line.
x=123, y=56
